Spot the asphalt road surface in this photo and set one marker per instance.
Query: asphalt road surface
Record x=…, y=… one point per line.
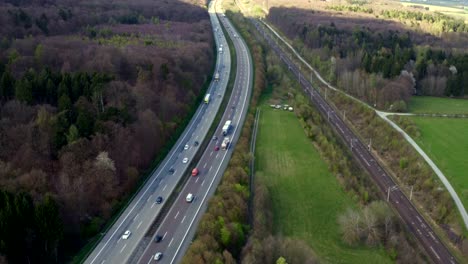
x=415, y=222
x=179, y=225
x=143, y=209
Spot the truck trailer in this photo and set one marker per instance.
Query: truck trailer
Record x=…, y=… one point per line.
x=226, y=127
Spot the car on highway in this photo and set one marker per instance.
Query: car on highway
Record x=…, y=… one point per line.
x=196, y=143
x=195, y=172
x=171, y=170
x=185, y=160
x=158, y=256
x=186, y=147
x=216, y=148
x=126, y=235
x=159, y=200
x=215, y=138
x=158, y=238
x=189, y=198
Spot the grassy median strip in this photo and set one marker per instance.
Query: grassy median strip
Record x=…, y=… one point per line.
x=306, y=197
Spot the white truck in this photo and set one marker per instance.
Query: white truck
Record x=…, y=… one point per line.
x=225, y=143
x=216, y=77
x=226, y=127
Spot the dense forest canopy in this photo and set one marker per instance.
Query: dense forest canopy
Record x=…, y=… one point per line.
x=90, y=91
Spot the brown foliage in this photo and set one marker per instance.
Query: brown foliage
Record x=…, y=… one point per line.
x=135, y=113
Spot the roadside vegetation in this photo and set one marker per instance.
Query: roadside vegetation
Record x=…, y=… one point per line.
x=438, y=105
x=224, y=228
x=90, y=94
x=337, y=200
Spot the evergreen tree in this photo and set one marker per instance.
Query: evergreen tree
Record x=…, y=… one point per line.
x=85, y=123
x=73, y=134
x=64, y=103
x=49, y=227
x=23, y=91
x=7, y=86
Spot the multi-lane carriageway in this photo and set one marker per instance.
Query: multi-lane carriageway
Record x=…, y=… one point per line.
x=179, y=225
x=415, y=222
x=143, y=209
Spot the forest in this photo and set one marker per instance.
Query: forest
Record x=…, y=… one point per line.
x=90, y=93
x=379, y=59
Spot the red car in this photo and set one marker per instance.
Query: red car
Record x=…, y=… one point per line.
x=195, y=172
x=216, y=148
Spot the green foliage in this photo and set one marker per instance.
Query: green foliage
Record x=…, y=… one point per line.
x=281, y=260
x=49, y=225
x=351, y=8
x=23, y=91
x=403, y=163
x=64, y=103
x=73, y=134
x=85, y=123
x=20, y=18
x=7, y=86
x=164, y=70
x=42, y=23
x=65, y=14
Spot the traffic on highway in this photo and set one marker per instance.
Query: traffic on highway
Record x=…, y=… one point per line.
x=122, y=238
x=412, y=218
x=177, y=229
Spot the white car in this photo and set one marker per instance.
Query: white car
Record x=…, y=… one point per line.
x=158, y=256
x=126, y=234
x=186, y=147
x=185, y=160
x=189, y=198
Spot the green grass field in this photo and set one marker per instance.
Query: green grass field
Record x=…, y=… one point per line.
x=445, y=140
x=306, y=197
x=427, y=104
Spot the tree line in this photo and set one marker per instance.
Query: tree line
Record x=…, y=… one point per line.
x=382, y=66
x=29, y=231
x=441, y=22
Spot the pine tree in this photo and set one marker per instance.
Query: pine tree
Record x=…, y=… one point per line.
x=23, y=91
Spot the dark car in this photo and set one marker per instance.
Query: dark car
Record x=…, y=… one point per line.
x=158, y=238
x=171, y=170
x=216, y=148
x=159, y=199
x=195, y=143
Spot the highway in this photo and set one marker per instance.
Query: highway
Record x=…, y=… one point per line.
x=435, y=249
x=178, y=228
x=142, y=210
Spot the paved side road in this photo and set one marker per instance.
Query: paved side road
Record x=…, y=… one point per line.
x=414, y=221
